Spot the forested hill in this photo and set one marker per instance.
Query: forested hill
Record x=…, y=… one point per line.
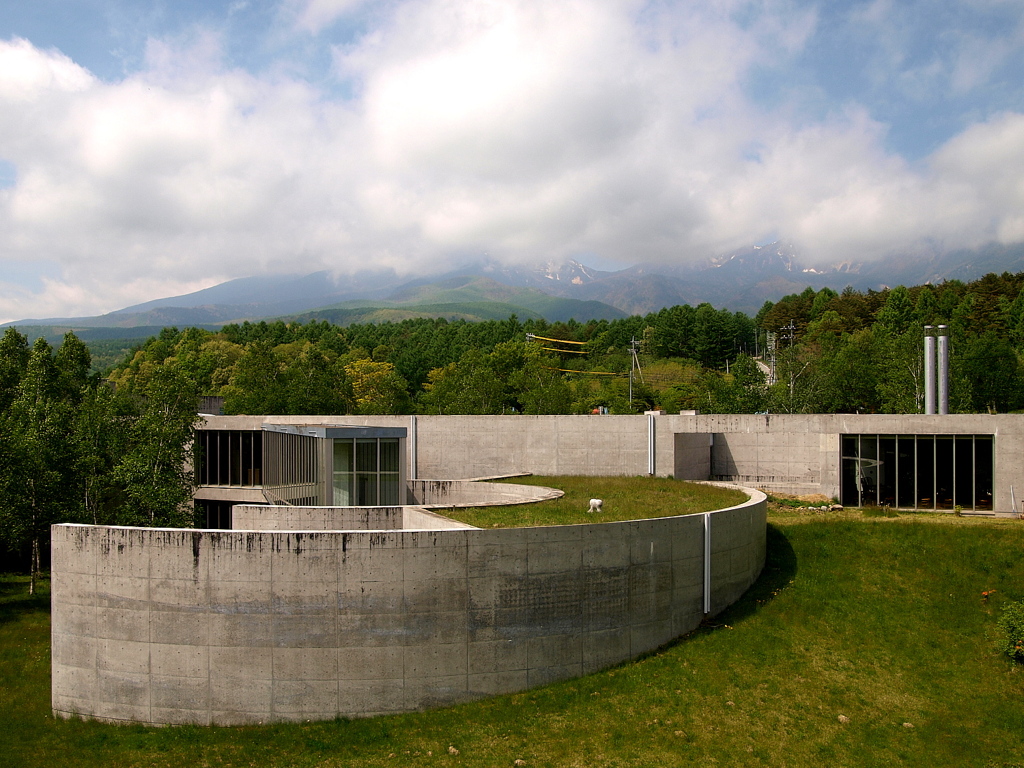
x=862, y=352
x=833, y=352
x=437, y=366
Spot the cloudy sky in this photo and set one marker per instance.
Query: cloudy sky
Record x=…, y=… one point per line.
x=155, y=147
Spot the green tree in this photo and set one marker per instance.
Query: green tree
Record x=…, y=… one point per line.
x=821, y=301
x=897, y=314
x=538, y=388
x=154, y=473
x=467, y=386
x=258, y=385
x=926, y=306
x=990, y=367
x=900, y=363
x=848, y=377
x=35, y=468
x=316, y=385
x=14, y=354
x=99, y=438
x=377, y=388
x=741, y=390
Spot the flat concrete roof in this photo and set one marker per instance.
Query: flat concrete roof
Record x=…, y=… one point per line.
x=335, y=430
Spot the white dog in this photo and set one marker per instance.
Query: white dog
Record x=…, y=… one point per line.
x=595, y=505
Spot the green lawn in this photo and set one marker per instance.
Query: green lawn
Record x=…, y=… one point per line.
x=879, y=620
x=625, y=498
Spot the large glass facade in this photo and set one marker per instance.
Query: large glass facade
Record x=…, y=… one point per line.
x=917, y=471
x=366, y=472
x=213, y=514
x=229, y=457
x=304, y=465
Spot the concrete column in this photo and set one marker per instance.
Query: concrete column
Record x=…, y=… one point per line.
x=652, y=463
x=707, y=563
x=412, y=449
x=943, y=372
x=929, y=371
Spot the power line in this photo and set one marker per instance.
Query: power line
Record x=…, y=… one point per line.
x=532, y=336
x=566, y=351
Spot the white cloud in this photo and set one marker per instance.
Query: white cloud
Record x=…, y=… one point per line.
x=29, y=75
x=531, y=130
x=315, y=15
x=985, y=161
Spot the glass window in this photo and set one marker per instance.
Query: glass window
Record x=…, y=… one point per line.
x=229, y=457
x=366, y=455
x=887, y=470
x=344, y=459
x=917, y=471
x=925, y=472
x=389, y=454
x=223, y=459
x=944, y=466
x=235, y=448
x=366, y=472
x=963, y=478
x=983, y=466
x=389, y=489
x=849, y=493
x=869, y=470
x=366, y=489
x=906, y=478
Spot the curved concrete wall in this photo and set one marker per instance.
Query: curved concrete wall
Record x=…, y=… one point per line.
x=447, y=494
x=196, y=626
x=246, y=517
x=426, y=494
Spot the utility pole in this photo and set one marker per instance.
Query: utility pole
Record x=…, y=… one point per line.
x=789, y=331
x=634, y=365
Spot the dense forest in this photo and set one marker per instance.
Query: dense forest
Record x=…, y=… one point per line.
x=72, y=449
x=817, y=351
x=862, y=352
x=436, y=366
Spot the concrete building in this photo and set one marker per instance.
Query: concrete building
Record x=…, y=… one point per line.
x=905, y=461
x=314, y=606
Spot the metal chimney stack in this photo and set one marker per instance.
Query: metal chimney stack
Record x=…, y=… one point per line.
x=943, y=370
x=929, y=371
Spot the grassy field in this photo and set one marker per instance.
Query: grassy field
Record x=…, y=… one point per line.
x=625, y=498
x=867, y=642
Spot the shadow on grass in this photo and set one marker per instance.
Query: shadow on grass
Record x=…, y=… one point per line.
x=15, y=599
x=780, y=567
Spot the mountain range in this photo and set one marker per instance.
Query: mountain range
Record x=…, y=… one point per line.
x=741, y=281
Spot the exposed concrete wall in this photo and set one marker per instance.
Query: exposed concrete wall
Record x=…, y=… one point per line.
x=418, y=518
x=692, y=456
x=448, y=494
x=475, y=446
x=781, y=452
x=424, y=494
x=800, y=452
x=180, y=626
x=470, y=446
x=286, y=518
x=233, y=494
